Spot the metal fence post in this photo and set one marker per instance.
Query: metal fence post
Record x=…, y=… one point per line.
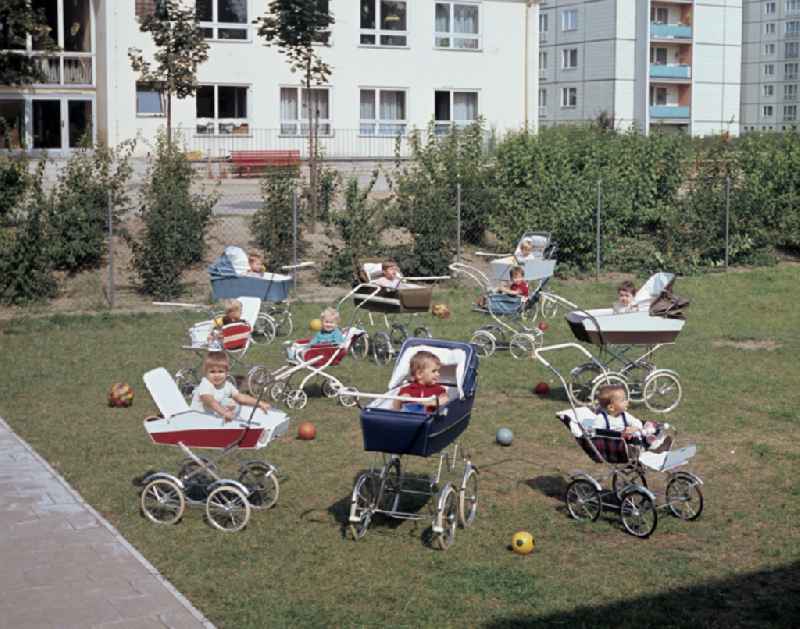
x=294, y=236
x=727, y=217
x=110, y=252
x=458, y=222
x=597, y=244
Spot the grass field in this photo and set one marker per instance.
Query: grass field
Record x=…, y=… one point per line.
x=738, y=565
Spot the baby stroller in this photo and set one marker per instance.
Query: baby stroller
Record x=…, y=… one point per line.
x=228, y=501
x=394, y=434
x=230, y=279
x=302, y=357
x=623, y=486
x=397, y=310
x=658, y=322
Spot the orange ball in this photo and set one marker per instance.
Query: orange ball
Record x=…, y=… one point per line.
x=306, y=431
x=543, y=325
x=120, y=395
x=542, y=388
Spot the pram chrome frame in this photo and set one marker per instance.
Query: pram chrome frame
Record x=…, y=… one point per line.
x=628, y=492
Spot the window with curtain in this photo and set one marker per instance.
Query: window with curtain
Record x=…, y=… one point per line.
x=569, y=97
x=790, y=92
x=569, y=58
x=454, y=108
x=223, y=19
x=222, y=109
x=792, y=50
x=569, y=20
x=384, y=22
x=790, y=71
x=769, y=90
x=542, y=100
x=150, y=100
x=295, y=105
x=790, y=112
x=383, y=112
x=658, y=56
x=457, y=25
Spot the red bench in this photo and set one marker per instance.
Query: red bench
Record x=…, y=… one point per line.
x=245, y=161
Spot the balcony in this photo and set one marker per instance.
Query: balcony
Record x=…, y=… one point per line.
x=67, y=70
x=670, y=31
x=661, y=112
x=659, y=71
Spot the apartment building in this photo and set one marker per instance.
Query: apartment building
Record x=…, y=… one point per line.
x=671, y=63
x=771, y=64
x=397, y=64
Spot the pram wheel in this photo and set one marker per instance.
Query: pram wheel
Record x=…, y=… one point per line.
x=627, y=476
x=581, y=380
x=549, y=307
x=636, y=374
x=227, y=509
x=277, y=390
x=662, y=391
x=296, y=399
x=522, y=346
x=422, y=333
x=605, y=379
x=444, y=526
x=382, y=348
x=162, y=501
x=283, y=322
x=468, y=497
x=362, y=505
x=638, y=513
x=195, y=479
x=359, y=348
x=484, y=343
x=583, y=500
x=398, y=333
x=258, y=379
x=262, y=481
x=348, y=397
x=330, y=388
x=684, y=498
x=187, y=381
x=263, y=329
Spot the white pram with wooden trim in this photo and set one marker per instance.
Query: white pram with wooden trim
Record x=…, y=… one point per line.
x=199, y=482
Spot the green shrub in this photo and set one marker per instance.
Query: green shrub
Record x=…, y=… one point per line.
x=273, y=224
x=25, y=267
x=175, y=223
x=14, y=183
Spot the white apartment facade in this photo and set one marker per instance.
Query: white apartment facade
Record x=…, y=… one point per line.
x=397, y=65
x=642, y=62
x=771, y=65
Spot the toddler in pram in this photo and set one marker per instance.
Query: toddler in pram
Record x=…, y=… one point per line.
x=217, y=394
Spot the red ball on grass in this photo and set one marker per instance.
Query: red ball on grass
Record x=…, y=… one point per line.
x=543, y=325
x=306, y=431
x=542, y=388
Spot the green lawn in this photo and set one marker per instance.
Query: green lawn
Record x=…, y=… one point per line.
x=738, y=565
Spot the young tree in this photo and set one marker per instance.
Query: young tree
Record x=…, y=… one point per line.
x=17, y=19
x=180, y=49
x=299, y=28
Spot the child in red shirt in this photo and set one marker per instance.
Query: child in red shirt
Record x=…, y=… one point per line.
x=518, y=284
x=425, y=370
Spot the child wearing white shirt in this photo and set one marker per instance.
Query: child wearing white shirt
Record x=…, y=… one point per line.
x=216, y=394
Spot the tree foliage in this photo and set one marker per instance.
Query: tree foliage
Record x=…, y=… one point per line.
x=17, y=19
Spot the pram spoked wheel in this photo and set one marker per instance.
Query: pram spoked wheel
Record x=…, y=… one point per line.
x=522, y=346
x=263, y=329
x=583, y=500
x=484, y=343
x=348, y=396
x=636, y=374
x=283, y=322
x=468, y=497
x=330, y=388
x=549, y=307
x=195, y=479
x=363, y=503
x=296, y=399
x=359, y=348
x=684, y=498
x=258, y=378
x=581, y=381
x=382, y=348
x=262, y=481
x=422, y=333
x=622, y=478
x=227, y=508
x=187, y=381
x=662, y=391
x=398, y=333
x=278, y=390
x=638, y=513
x=446, y=519
x=162, y=501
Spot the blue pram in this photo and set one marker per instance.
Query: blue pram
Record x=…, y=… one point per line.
x=394, y=433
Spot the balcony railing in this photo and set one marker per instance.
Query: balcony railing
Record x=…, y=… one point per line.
x=63, y=70
x=668, y=111
x=670, y=71
x=670, y=31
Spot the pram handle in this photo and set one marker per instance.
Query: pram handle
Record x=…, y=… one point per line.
x=486, y=254
x=302, y=265
x=561, y=300
x=476, y=275
x=181, y=305
x=428, y=279
x=431, y=400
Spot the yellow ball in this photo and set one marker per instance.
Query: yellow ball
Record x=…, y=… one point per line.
x=522, y=543
x=315, y=325
x=217, y=322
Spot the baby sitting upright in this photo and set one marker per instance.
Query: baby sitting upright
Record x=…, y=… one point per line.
x=424, y=371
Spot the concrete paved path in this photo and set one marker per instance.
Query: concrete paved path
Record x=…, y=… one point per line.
x=62, y=565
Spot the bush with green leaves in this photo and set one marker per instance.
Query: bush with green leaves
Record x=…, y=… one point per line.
x=273, y=223
x=14, y=183
x=175, y=221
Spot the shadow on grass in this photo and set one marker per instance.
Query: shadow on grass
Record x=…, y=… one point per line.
x=768, y=598
x=551, y=486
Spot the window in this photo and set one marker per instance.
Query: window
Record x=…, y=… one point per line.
x=457, y=26
x=145, y=8
x=790, y=71
x=384, y=22
x=658, y=56
x=222, y=19
x=658, y=96
x=769, y=69
x=792, y=7
x=792, y=49
x=454, y=108
x=294, y=110
x=769, y=49
x=790, y=112
x=383, y=112
x=659, y=15
x=569, y=58
x=543, y=26
x=769, y=28
x=769, y=8
x=542, y=61
x=769, y=90
x=569, y=97
x=542, y=100
x=766, y=111
x=790, y=92
x=569, y=20
x=13, y=112
x=221, y=109
x=793, y=28
x=150, y=100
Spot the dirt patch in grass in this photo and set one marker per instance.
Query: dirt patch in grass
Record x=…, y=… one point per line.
x=768, y=345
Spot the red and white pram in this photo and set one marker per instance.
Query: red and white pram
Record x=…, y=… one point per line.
x=303, y=357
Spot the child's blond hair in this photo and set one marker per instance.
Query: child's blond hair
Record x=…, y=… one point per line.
x=608, y=393
x=388, y=264
x=516, y=271
x=257, y=256
x=331, y=314
x=231, y=305
x=216, y=359
x=421, y=360
x=627, y=286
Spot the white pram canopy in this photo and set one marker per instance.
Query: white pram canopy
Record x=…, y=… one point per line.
x=454, y=365
x=652, y=288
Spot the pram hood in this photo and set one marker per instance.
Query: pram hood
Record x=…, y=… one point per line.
x=454, y=357
x=538, y=241
x=574, y=419
x=224, y=266
x=656, y=295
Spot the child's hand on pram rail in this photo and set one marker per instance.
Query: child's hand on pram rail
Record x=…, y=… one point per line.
x=228, y=413
x=264, y=405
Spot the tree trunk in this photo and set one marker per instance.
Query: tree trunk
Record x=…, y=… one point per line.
x=312, y=150
x=169, y=119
